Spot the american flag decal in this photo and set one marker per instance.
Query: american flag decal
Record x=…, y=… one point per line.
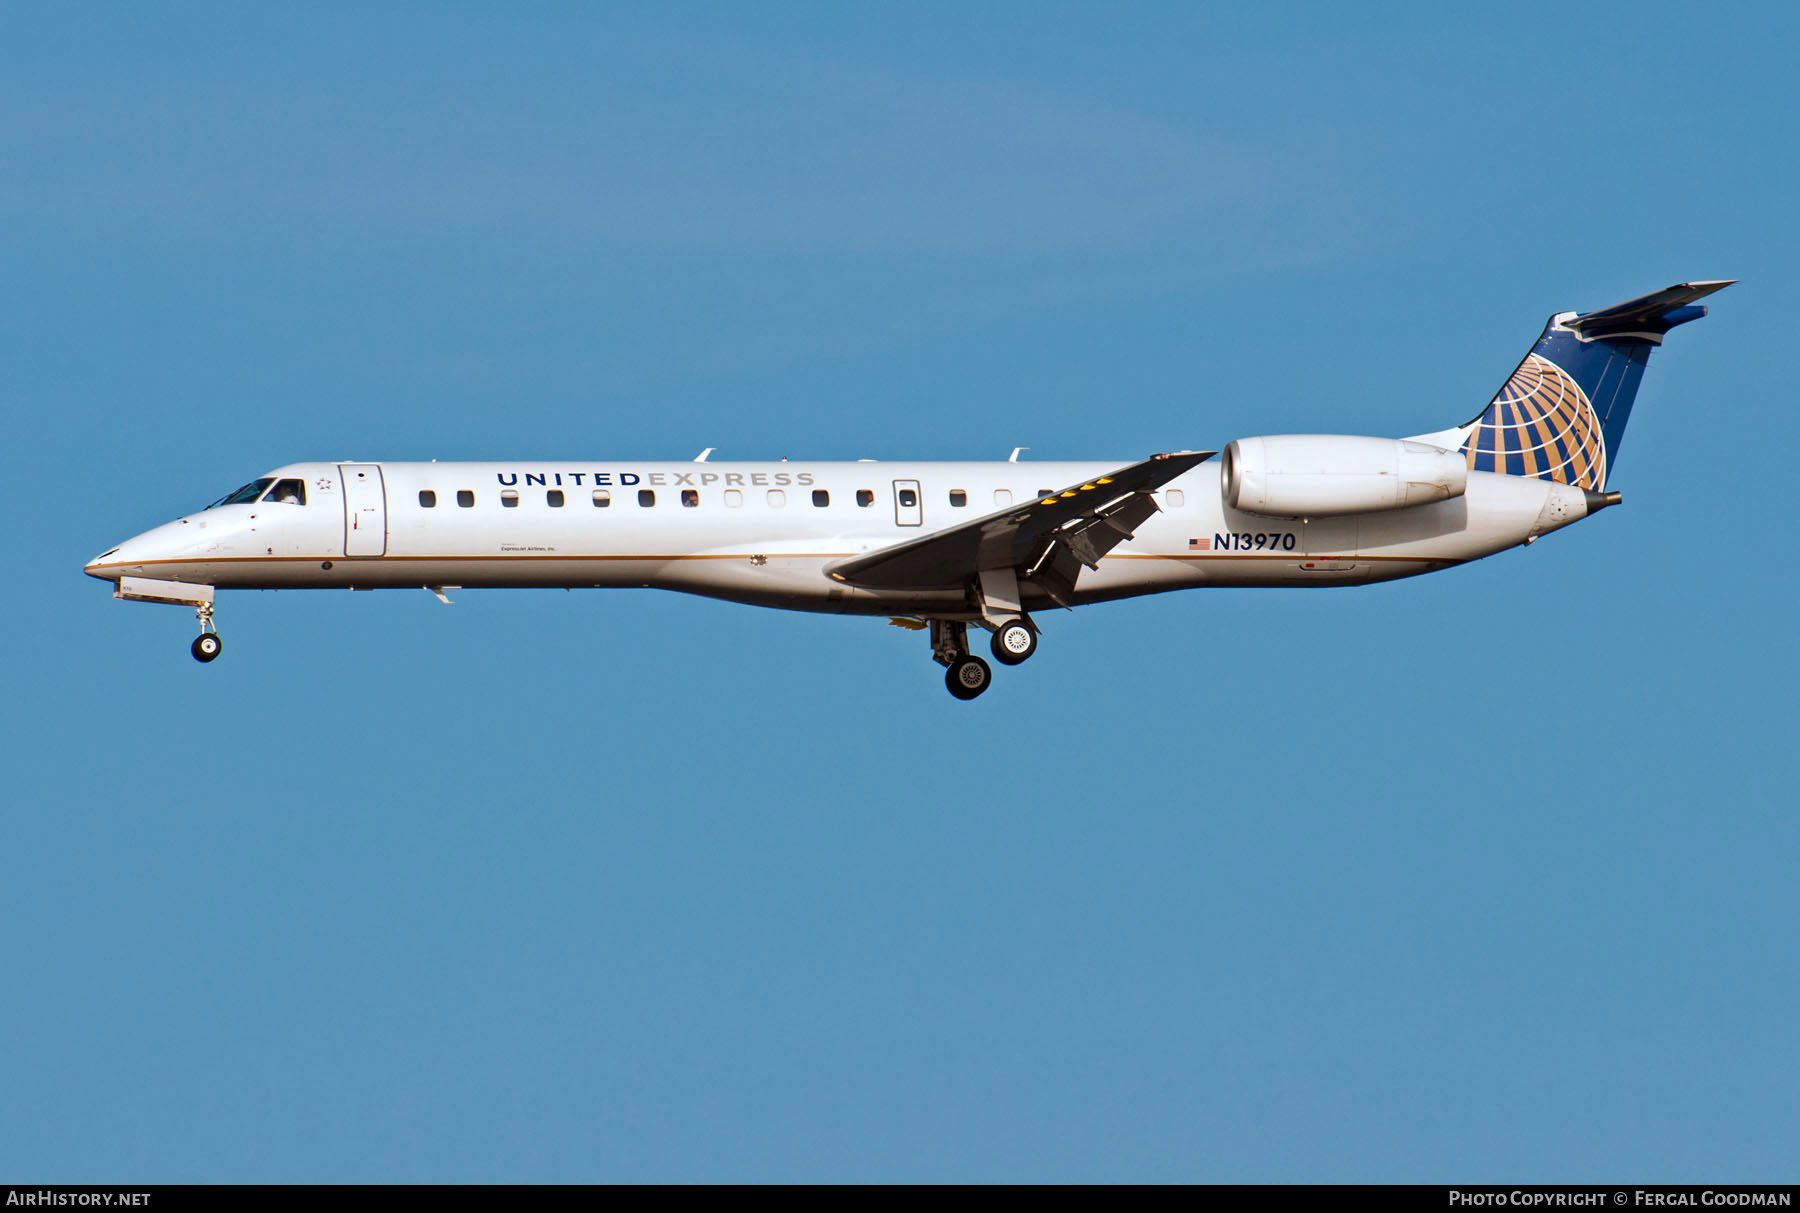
x=1199, y=545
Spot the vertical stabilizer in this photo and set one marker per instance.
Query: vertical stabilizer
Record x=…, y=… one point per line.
x=1562, y=414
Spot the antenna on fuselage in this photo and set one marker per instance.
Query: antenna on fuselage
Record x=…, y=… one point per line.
x=1014, y=457
x=701, y=457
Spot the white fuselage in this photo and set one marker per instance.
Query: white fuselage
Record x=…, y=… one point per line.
x=765, y=533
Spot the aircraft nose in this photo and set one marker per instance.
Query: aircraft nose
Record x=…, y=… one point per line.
x=97, y=567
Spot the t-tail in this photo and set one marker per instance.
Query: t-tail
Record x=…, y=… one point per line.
x=1562, y=413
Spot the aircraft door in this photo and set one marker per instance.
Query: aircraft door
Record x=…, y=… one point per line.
x=365, y=509
x=909, y=507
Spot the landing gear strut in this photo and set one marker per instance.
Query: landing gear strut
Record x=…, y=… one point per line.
x=995, y=593
x=207, y=644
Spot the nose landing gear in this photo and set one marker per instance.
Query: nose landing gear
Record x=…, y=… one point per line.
x=207, y=645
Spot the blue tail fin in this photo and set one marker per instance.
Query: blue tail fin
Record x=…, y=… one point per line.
x=1562, y=413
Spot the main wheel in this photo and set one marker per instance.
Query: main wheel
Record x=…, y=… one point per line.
x=968, y=676
x=1014, y=641
x=207, y=646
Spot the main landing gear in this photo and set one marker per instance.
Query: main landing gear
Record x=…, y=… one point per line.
x=994, y=594
x=968, y=675
x=1014, y=641
x=207, y=644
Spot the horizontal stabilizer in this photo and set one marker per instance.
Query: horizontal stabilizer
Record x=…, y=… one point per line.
x=1649, y=316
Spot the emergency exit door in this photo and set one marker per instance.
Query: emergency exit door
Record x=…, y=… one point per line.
x=908, y=509
x=365, y=509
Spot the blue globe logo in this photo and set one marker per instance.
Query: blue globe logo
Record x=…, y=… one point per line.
x=1540, y=425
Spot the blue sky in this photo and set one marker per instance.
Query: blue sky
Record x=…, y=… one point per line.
x=1481, y=876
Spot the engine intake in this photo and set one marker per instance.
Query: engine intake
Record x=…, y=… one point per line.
x=1319, y=475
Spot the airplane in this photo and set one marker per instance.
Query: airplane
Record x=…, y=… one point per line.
x=942, y=547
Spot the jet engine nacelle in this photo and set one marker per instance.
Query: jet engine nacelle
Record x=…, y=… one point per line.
x=1318, y=475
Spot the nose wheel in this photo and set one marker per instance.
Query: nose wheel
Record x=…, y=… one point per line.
x=207, y=646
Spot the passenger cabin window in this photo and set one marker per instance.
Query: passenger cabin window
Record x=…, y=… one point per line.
x=509, y=498
x=958, y=498
x=602, y=499
x=734, y=498
x=465, y=498
x=1002, y=496
x=777, y=498
x=821, y=498
x=1043, y=493
x=646, y=497
x=554, y=499
x=865, y=498
x=428, y=499
x=690, y=498
x=244, y=496
x=908, y=498
x=288, y=492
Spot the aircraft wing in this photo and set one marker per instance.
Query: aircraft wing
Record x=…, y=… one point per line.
x=1067, y=529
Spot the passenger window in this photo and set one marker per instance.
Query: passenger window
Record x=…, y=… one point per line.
x=646, y=497
x=777, y=498
x=288, y=492
x=821, y=498
x=554, y=498
x=1043, y=493
x=958, y=498
x=865, y=498
x=733, y=498
x=428, y=499
x=465, y=498
x=1175, y=498
x=1002, y=496
x=602, y=499
x=509, y=498
x=908, y=498
x=690, y=498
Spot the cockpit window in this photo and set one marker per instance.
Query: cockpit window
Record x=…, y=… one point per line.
x=250, y=492
x=288, y=492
